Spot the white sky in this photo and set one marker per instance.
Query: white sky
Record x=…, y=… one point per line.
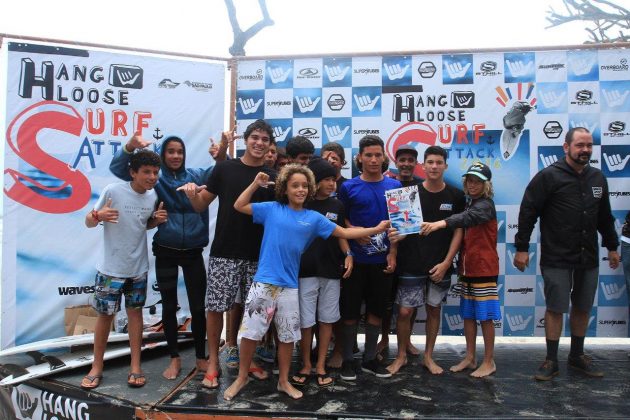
x=302, y=26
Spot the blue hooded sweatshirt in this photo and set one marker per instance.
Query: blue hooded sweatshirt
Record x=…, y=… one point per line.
x=185, y=228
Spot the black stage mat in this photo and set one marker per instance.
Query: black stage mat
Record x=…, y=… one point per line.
x=414, y=392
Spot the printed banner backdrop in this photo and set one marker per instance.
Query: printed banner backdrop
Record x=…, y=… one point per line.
x=68, y=111
x=508, y=110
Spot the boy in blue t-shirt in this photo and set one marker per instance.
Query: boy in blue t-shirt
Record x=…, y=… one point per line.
x=289, y=230
x=374, y=259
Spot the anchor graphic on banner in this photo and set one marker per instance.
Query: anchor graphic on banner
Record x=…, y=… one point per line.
x=157, y=134
x=489, y=140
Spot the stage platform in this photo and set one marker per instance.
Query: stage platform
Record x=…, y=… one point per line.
x=414, y=392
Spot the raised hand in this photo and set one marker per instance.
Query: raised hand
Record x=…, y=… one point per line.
x=262, y=180
x=137, y=142
x=160, y=215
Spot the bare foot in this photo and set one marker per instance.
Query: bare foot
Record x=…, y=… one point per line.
x=235, y=388
x=202, y=365
x=413, y=350
x=431, y=366
x=485, y=369
x=288, y=389
x=173, y=369
x=395, y=366
x=467, y=363
x=335, y=361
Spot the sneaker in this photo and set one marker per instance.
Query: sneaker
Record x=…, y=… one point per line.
x=232, y=360
x=584, y=364
x=347, y=371
x=265, y=354
x=375, y=368
x=547, y=371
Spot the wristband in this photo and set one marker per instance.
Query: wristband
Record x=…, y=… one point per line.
x=94, y=215
x=349, y=253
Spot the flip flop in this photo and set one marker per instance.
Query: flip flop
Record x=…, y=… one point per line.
x=210, y=377
x=132, y=380
x=299, y=379
x=321, y=377
x=94, y=381
x=252, y=373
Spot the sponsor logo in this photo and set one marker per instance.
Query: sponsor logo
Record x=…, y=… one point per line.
x=278, y=103
x=619, y=193
x=584, y=97
x=427, y=69
x=168, y=84
x=199, y=86
x=308, y=73
x=75, y=290
x=521, y=290
x=556, y=66
x=616, y=126
x=622, y=66
x=308, y=132
x=366, y=70
x=446, y=206
x=463, y=99
x=336, y=102
x=616, y=129
x=252, y=77
x=552, y=129
x=366, y=132
x=612, y=322
x=125, y=76
x=488, y=68
x=31, y=403
x=597, y=192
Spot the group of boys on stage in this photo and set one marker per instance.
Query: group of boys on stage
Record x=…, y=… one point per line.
x=301, y=246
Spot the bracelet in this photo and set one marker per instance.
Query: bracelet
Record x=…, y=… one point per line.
x=349, y=253
x=94, y=215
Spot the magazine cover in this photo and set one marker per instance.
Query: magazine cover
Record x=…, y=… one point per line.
x=403, y=206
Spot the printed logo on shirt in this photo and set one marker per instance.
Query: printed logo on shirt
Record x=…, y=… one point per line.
x=597, y=192
x=331, y=216
x=303, y=223
x=446, y=207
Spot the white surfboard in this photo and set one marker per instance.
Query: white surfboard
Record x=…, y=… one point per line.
x=155, y=333
x=75, y=340
x=47, y=364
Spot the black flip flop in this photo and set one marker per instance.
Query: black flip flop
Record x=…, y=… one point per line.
x=322, y=377
x=294, y=382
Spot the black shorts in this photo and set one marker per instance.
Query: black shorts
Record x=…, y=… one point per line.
x=368, y=282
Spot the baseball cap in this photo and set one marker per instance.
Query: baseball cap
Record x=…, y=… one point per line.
x=406, y=148
x=480, y=170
